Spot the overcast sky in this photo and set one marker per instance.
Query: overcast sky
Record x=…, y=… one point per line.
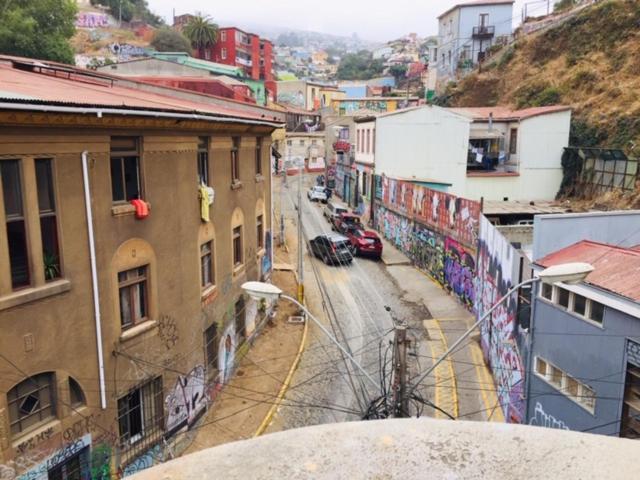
x=371, y=19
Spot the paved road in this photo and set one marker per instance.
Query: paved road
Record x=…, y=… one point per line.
x=355, y=297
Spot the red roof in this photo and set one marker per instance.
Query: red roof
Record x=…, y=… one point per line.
x=70, y=86
x=507, y=114
x=477, y=3
x=616, y=269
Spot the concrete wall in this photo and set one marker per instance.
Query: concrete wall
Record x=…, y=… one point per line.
x=362, y=156
x=593, y=355
x=59, y=320
x=153, y=67
x=553, y=232
x=423, y=143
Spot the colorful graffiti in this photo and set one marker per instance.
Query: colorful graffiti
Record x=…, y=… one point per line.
x=187, y=400
x=454, y=216
x=542, y=419
x=227, y=353
x=266, y=258
x=496, y=270
x=459, y=269
x=92, y=20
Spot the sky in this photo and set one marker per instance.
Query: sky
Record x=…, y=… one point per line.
x=374, y=20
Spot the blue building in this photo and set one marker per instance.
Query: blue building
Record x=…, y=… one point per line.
x=584, y=339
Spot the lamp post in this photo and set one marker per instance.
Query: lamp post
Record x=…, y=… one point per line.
x=269, y=292
x=567, y=272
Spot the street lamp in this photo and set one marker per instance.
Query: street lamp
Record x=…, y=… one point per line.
x=566, y=272
x=269, y=292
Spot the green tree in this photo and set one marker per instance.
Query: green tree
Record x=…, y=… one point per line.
x=38, y=28
x=168, y=40
x=398, y=71
x=359, y=66
x=201, y=32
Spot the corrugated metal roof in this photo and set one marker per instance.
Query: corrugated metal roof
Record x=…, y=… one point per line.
x=505, y=113
x=476, y=3
x=74, y=89
x=616, y=269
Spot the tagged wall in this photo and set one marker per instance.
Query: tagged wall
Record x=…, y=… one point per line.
x=498, y=264
x=436, y=230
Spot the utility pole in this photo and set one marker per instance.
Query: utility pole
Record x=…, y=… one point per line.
x=399, y=384
x=300, y=242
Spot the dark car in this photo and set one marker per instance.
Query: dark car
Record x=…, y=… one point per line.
x=365, y=243
x=346, y=222
x=332, y=248
x=320, y=180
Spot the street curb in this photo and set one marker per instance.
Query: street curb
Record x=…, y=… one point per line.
x=454, y=380
x=287, y=381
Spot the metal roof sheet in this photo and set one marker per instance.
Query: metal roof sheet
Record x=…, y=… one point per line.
x=506, y=113
x=616, y=269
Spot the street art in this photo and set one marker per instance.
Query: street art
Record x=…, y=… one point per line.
x=459, y=268
x=542, y=419
x=266, y=258
x=428, y=252
x=125, y=51
x=395, y=228
x=295, y=99
x=227, y=353
x=168, y=331
x=92, y=20
x=79, y=446
x=498, y=335
x=187, y=400
x=147, y=460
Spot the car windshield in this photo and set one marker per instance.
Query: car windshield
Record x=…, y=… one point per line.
x=341, y=244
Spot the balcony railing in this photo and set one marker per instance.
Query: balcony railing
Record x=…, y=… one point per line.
x=484, y=31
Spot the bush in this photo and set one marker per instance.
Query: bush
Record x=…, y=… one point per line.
x=583, y=79
x=506, y=57
x=168, y=40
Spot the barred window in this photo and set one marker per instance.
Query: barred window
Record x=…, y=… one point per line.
x=141, y=414
x=32, y=402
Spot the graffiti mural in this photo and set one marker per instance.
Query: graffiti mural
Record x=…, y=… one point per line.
x=78, y=448
x=187, y=400
x=147, y=460
x=92, y=20
x=295, y=99
x=459, y=268
x=227, y=353
x=496, y=270
x=428, y=252
x=396, y=228
x=542, y=419
x=266, y=266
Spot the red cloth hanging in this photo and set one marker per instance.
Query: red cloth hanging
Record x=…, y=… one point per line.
x=142, y=208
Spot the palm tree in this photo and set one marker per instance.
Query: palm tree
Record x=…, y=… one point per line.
x=202, y=32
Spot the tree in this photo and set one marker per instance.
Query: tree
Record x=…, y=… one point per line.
x=38, y=29
x=359, y=66
x=127, y=10
x=168, y=40
x=201, y=32
x=398, y=71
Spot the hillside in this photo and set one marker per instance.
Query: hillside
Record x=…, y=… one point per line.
x=591, y=62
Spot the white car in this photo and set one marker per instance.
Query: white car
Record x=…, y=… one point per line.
x=317, y=194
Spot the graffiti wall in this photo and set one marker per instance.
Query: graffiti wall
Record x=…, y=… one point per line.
x=497, y=269
x=92, y=20
x=187, y=401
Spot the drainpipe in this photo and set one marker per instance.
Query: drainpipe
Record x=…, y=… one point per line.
x=94, y=278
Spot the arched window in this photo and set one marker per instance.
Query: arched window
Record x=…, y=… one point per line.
x=76, y=395
x=32, y=402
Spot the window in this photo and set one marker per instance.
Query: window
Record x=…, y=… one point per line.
x=563, y=297
x=546, y=291
x=223, y=53
x=203, y=160
x=76, y=466
x=449, y=57
x=368, y=140
x=48, y=221
x=16, y=225
x=140, y=413
x=31, y=402
x=373, y=140
x=235, y=160
x=260, y=231
x=237, y=247
x=211, y=345
x=513, y=141
x=364, y=183
x=125, y=169
x=359, y=141
x=596, y=311
x=223, y=36
x=207, y=278
x=579, y=304
x=239, y=319
x=314, y=142
x=302, y=142
x=258, y=156
x=577, y=391
x=76, y=395
x=484, y=19
x=132, y=287
x=289, y=143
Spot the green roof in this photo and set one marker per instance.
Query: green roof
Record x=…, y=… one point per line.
x=183, y=58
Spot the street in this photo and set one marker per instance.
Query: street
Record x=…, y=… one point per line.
x=354, y=298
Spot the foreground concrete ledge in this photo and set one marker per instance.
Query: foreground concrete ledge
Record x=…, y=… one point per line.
x=411, y=448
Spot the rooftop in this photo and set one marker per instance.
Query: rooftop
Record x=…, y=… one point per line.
x=505, y=114
x=497, y=207
x=31, y=84
x=409, y=448
x=476, y=3
x=615, y=268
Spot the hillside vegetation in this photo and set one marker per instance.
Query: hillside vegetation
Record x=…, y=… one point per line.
x=591, y=62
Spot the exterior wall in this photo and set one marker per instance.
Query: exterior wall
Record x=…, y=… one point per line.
x=362, y=154
x=340, y=156
x=431, y=142
x=350, y=106
x=554, y=232
x=598, y=361
x=305, y=147
x=168, y=241
x=500, y=17
x=294, y=93
x=154, y=68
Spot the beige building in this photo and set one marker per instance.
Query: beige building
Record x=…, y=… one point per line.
x=129, y=221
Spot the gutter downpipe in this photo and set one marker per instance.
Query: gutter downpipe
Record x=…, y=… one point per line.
x=94, y=278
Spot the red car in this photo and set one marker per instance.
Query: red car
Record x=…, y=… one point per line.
x=347, y=221
x=365, y=243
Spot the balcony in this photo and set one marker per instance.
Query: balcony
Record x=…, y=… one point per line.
x=244, y=61
x=483, y=32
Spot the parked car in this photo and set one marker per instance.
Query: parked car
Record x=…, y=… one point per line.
x=317, y=194
x=332, y=248
x=346, y=221
x=365, y=243
x=333, y=210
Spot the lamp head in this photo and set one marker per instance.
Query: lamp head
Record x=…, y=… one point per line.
x=261, y=291
x=566, y=272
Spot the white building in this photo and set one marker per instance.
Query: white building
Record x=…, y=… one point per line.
x=490, y=152
x=465, y=32
x=304, y=148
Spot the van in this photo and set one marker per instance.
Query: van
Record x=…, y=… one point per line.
x=333, y=211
